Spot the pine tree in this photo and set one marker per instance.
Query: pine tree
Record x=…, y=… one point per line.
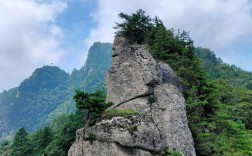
x=135, y=26
x=20, y=146
x=41, y=139
x=94, y=103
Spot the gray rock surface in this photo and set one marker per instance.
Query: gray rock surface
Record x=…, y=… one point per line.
x=134, y=78
x=83, y=147
x=169, y=113
x=137, y=131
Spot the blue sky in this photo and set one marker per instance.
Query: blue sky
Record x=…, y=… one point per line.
x=40, y=32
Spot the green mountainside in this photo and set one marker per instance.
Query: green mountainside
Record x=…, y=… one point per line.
x=234, y=85
x=89, y=78
x=98, y=62
x=29, y=104
x=216, y=69
x=49, y=91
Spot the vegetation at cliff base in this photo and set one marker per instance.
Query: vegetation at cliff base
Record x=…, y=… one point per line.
x=219, y=112
x=53, y=140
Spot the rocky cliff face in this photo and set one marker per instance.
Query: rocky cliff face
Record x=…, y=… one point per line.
x=137, y=81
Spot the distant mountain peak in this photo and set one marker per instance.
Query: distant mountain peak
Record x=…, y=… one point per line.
x=49, y=92
x=98, y=62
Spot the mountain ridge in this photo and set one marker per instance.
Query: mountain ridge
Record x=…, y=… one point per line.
x=48, y=92
x=217, y=69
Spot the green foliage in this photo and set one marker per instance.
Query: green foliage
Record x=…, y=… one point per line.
x=119, y=113
x=233, y=138
x=20, y=145
x=64, y=129
x=152, y=99
x=91, y=136
x=233, y=86
x=135, y=26
x=54, y=149
x=131, y=129
x=5, y=148
x=94, y=103
x=237, y=102
x=171, y=152
x=53, y=140
x=40, y=140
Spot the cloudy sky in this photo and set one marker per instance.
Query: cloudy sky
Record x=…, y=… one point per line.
x=34, y=33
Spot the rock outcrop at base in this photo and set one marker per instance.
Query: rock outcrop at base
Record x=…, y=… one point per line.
x=139, y=82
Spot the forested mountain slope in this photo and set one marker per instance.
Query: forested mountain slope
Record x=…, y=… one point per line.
x=49, y=92
x=234, y=86
x=89, y=78
x=29, y=104
x=217, y=69
x=97, y=63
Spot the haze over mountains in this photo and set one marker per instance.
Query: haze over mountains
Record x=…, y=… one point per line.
x=49, y=92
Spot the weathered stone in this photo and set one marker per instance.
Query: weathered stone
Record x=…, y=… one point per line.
x=133, y=71
x=167, y=75
x=97, y=148
x=133, y=132
x=169, y=113
x=139, y=82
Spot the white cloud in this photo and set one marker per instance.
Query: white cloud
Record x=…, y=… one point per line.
x=29, y=38
x=216, y=24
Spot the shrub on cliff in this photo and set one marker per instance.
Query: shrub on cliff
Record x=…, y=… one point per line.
x=94, y=103
x=119, y=113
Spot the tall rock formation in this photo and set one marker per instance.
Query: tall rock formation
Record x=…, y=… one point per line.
x=139, y=82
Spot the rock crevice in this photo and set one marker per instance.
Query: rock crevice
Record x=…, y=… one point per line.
x=139, y=82
x=134, y=98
